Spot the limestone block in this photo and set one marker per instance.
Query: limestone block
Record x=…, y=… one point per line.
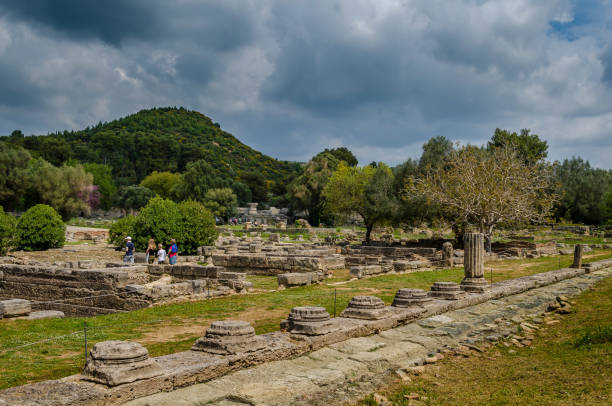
x=86, y=264
x=366, y=307
x=117, y=362
x=15, y=307
x=410, y=297
x=254, y=248
x=365, y=270
x=231, y=276
x=446, y=291
x=274, y=237
x=46, y=314
x=229, y=337
x=294, y=279
x=309, y=320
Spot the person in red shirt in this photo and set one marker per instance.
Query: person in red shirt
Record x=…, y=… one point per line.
x=173, y=252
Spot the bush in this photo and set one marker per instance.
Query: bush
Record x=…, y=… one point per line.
x=40, y=228
x=121, y=229
x=7, y=231
x=161, y=220
x=198, y=226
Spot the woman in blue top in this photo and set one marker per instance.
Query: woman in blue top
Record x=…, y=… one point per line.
x=173, y=252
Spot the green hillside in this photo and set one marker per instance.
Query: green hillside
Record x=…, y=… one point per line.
x=159, y=139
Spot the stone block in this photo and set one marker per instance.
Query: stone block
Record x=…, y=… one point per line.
x=231, y=276
x=15, y=307
x=294, y=279
x=446, y=291
x=118, y=362
x=46, y=314
x=228, y=337
x=367, y=308
x=308, y=320
x=410, y=297
x=365, y=270
x=86, y=264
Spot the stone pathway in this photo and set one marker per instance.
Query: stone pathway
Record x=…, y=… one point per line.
x=349, y=370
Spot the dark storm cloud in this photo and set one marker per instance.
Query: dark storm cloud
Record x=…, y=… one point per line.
x=292, y=78
x=606, y=61
x=110, y=21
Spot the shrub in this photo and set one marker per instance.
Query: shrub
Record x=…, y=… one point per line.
x=7, y=231
x=40, y=228
x=198, y=226
x=161, y=220
x=121, y=229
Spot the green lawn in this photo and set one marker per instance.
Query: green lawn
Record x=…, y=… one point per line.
x=170, y=328
x=569, y=363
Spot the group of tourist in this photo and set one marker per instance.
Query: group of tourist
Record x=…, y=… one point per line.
x=152, y=252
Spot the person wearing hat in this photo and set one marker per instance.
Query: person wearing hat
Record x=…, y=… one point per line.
x=129, y=250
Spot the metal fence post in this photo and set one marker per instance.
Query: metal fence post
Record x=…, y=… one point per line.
x=85, y=335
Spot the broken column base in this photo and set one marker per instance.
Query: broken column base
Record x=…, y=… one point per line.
x=446, y=291
x=117, y=362
x=229, y=337
x=474, y=285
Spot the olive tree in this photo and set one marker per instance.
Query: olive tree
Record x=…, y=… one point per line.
x=488, y=188
x=367, y=191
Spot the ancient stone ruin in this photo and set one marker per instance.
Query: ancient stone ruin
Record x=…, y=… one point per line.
x=229, y=337
x=308, y=320
x=473, y=263
x=446, y=291
x=408, y=297
x=367, y=308
x=117, y=362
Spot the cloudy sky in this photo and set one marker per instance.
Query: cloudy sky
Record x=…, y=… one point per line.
x=291, y=78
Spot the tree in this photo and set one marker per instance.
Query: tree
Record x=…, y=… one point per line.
x=489, y=188
x=257, y=185
x=40, y=228
x=343, y=154
x=68, y=189
x=133, y=197
x=198, y=178
x=7, y=231
x=367, y=191
x=165, y=184
x=305, y=192
x=243, y=193
x=412, y=209
x=221, y=202
x=103, y=179
x=161, y=220
x=606, y=207
x=435, y=152
x=198, y=226
x=581, y=189
x=121, y=229
x=529, y=147
x=14, y=175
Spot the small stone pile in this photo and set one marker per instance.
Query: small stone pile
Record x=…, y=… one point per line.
x=229, y=337
x=410, y=297
x=561, y=305
x=367, y=308
x=117, y=362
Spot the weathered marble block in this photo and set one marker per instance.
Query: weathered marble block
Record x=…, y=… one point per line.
x=410, y=297
x=15, y=308
x=367, y=308
x=227, y=337
x=117, y=362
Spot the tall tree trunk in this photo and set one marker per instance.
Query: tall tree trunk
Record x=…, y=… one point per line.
x=369, y=228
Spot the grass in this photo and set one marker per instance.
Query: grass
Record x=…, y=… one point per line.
x=174, y=327
x=569, y=363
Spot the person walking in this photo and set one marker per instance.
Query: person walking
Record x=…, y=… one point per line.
x=151, y=249
x=129, y=250
x=173, y=253
x=161, y=254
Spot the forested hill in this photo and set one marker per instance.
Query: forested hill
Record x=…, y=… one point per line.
x=159, y=139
